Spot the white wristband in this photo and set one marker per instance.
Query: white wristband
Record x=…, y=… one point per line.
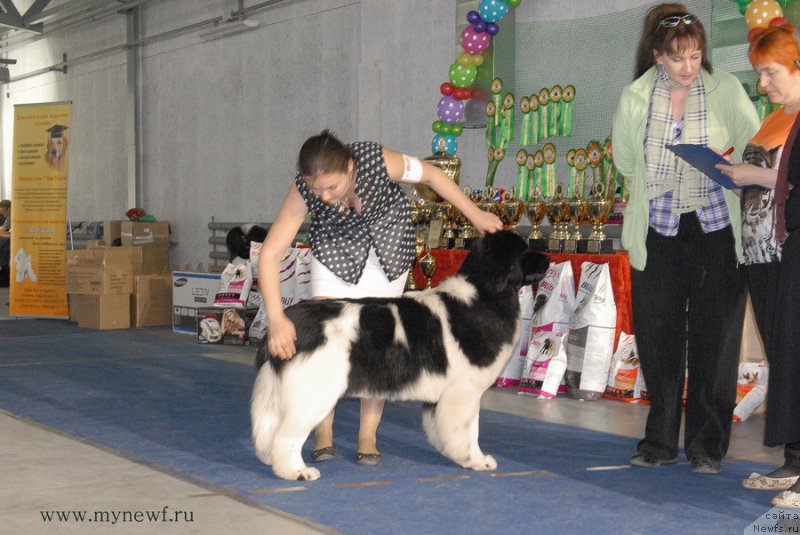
x=412, y=169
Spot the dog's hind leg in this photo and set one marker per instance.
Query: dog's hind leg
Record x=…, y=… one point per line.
x=456, y=423
x=430, y=426
x=265, y=413
x=309, y=393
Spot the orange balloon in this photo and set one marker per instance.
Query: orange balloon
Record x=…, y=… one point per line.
x=760, y=12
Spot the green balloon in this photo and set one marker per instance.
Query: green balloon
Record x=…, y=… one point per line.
x=514, y=3
x=437, y=127
x=456, y=129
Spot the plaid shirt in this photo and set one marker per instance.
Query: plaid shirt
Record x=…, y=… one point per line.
x=712, y=217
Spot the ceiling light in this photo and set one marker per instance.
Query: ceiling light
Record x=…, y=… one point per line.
x=229, y=28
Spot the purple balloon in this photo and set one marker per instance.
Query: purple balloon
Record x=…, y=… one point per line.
x=479, y=26
x=492, y=28
x=450, y=109
x=473, y=17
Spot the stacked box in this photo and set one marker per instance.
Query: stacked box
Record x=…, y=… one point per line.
x=229, y=326
x=191, y=291
x=99, y=284
x=151, y=303
x=141, y=232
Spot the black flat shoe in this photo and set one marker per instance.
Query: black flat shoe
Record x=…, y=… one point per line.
x=323, y=454
x=706, y=465
x=650, y=460
x=368, y=459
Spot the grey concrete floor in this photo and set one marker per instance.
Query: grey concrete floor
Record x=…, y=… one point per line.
x=44, y=470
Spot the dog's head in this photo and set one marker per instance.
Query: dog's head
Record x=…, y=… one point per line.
x=503, y=260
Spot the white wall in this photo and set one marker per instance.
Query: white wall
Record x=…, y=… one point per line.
x=222, y=121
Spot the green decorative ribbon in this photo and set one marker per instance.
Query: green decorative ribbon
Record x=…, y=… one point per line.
x=525, y=125
x=555, y=101
x=522, y=185
x=535, y=119
x=565, y=112
x=549, y=157
x=544, y=111
x=571, y=164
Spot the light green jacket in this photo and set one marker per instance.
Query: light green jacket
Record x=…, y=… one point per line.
x=732, y=122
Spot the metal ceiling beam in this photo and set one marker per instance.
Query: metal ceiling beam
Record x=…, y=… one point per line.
x=12, y=19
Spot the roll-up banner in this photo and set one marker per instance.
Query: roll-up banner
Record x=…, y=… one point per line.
x=39, y=210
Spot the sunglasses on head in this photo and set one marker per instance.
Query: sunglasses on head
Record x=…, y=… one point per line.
x=671, y=22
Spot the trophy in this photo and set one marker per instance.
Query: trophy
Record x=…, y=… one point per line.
x=509, y=211
x=535, y=210
x=559, y=216
x=576, y=207
x=467, y=232
x=598, y=207
x=428, y=266
x=450, y=166
x=447, y=213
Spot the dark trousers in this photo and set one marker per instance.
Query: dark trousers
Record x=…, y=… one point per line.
x=688, y=308
x=762, y=284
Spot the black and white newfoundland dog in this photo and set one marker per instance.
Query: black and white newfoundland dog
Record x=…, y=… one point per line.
x=443, y=346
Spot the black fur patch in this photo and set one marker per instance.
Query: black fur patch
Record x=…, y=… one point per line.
x=381, y=364
x=309, y=319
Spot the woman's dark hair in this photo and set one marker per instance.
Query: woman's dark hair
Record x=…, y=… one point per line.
x=662, y=39
x=324, y=153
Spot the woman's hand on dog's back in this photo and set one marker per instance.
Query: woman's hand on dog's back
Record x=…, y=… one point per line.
x=282, y=336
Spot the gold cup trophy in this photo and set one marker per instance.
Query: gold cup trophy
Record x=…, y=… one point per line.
x=598, y=208
x=558, y=215
x=535, y=210
x=576, y=210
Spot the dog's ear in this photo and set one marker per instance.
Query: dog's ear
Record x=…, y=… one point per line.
x=257, y=234
x=237, y=244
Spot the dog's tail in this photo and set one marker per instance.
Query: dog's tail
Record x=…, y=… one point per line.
x=265, y=409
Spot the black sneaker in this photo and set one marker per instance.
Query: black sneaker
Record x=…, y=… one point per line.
x=706, y=465
x=647, y=459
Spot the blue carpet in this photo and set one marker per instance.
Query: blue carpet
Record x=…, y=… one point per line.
x=149, y=395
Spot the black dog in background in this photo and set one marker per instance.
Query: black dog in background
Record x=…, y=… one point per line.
x=238, y=240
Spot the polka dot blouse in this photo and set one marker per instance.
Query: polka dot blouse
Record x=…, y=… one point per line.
x=342, y=241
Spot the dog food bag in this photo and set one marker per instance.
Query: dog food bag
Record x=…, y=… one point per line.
x=751, y=389
x=623, y=374
x=590, y=344
x=555, y=299
x=545, y=365
x=235, y=283
x=511, y=374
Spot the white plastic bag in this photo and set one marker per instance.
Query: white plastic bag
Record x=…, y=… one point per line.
x=235, y=283
x=590, y=345
x=511, y=374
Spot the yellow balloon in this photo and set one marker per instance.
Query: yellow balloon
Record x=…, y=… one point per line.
x=760, y=12
x=465, y=59
x=477, y=60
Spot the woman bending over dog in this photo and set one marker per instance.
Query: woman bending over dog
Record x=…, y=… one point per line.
x=362, y=243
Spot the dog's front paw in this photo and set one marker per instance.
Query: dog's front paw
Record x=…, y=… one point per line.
x=486, y=462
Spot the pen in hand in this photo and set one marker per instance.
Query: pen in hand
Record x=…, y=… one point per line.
x=727, y=152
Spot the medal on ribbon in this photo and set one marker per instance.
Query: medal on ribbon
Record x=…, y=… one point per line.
x=565, y=110
x=544, y=109
x=555, y=103
x=521, y=187
x=581, y=163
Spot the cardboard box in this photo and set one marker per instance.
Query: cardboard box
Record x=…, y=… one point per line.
x=108, y=311
x=100, y=280
x=151, y=302
x=216, y=325
x=147, y=259
x=112, y=231
x=191, y=291
x=139, y=232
